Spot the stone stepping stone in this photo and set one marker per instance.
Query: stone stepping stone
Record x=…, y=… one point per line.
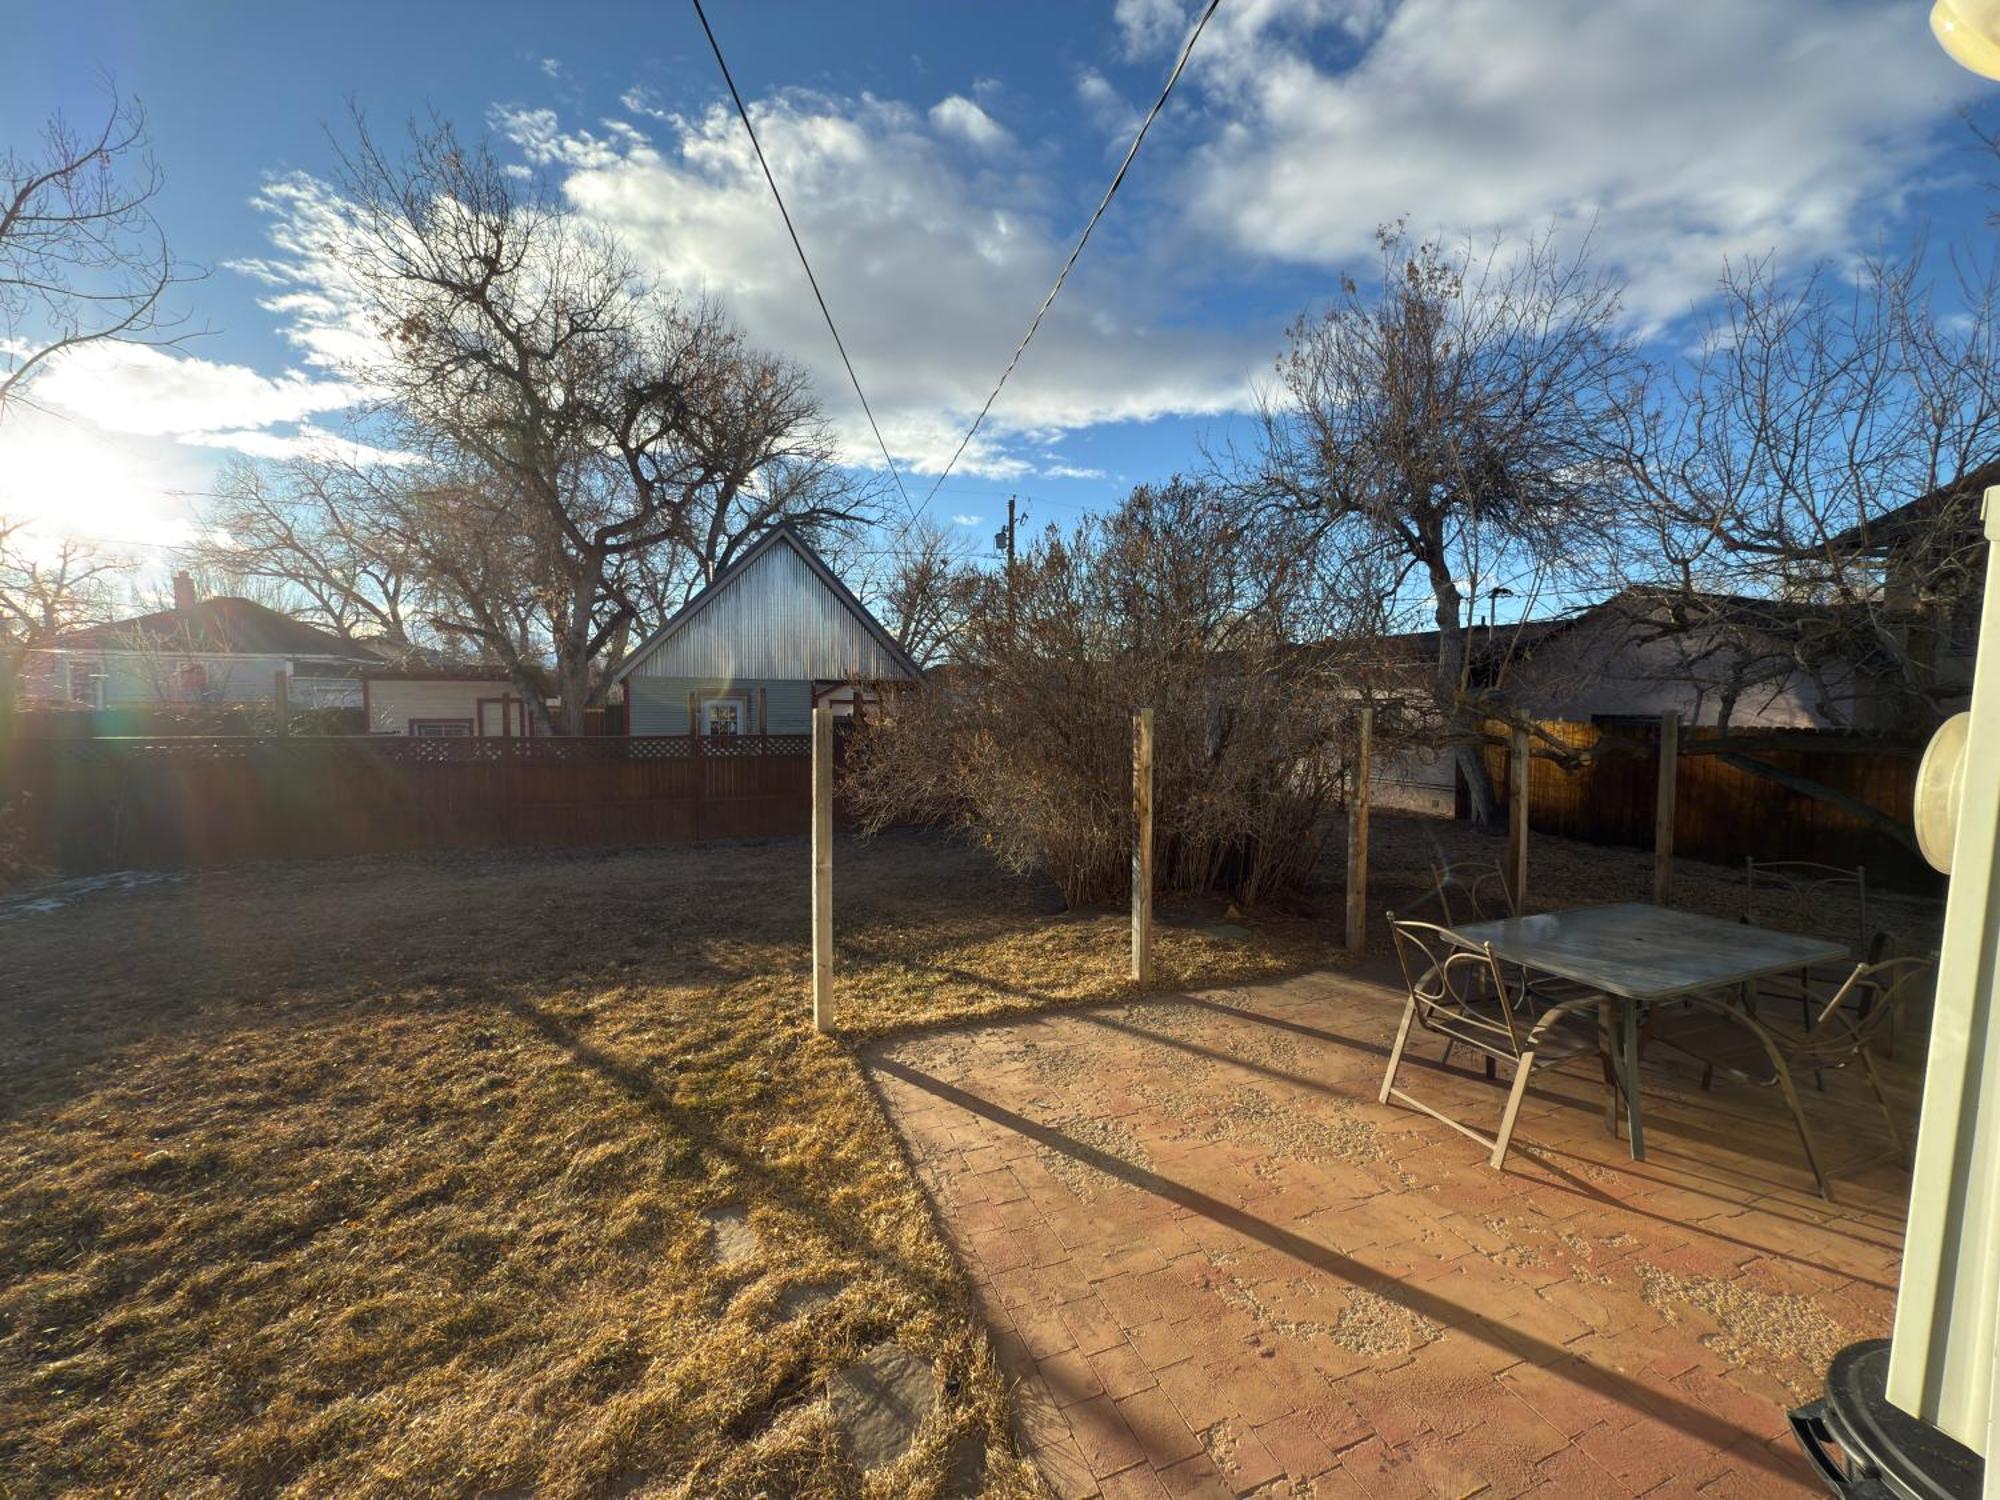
x=797, y=1301
x=879, y=1403
x=733, y=1239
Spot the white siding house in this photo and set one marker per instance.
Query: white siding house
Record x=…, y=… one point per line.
x=442, y=702
x=775, y=633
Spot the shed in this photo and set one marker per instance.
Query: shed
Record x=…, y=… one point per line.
x=774, y=634
x=460, y=702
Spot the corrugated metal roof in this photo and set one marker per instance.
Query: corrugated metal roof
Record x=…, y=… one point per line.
x=777, y=612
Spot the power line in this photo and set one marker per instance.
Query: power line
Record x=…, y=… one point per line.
x=1083, y=239
x=757, y=146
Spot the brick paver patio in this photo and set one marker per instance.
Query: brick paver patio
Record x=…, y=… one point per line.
x=1217, y=1266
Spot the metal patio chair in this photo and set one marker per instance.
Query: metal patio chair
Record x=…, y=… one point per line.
x=1806, y=881
x=1461, y=994
x=1842, y=1031
x=1479, y=886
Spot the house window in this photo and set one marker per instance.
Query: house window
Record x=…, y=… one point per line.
x=722, y=718
x=441, y=729
x=84, y=677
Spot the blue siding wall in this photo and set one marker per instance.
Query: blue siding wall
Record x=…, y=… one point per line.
x=659, y=705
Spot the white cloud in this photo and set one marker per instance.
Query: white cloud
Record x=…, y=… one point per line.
x=964, y=520
x=551, y=67
x=1070, y=471
x=1109, y=110
x=154, y=392
x=307, y=442
x=932, y=270
x=959, y=116
x=1685, y=132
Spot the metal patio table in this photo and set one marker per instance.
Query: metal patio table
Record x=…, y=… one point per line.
x=1638, y=954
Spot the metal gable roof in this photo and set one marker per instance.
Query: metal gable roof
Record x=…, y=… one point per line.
x=782, y=534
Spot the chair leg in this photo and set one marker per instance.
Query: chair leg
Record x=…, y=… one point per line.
x=1514, y=1095
x=1805, y=1131
x=1888, y=1115
x=1444, y=1057
x=1396, y=1052
x=1491, y=1072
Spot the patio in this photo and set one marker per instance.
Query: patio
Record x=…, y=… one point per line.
x=1216, y=1265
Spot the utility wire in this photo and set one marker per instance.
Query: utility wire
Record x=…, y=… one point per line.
x=1082, y=240
x=757, y=146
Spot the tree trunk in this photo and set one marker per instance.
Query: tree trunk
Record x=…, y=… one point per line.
x=1464, y=724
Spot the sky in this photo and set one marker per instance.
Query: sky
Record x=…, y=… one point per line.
x=939, y=161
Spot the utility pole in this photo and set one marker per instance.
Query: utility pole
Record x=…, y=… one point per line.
x=1006, y=539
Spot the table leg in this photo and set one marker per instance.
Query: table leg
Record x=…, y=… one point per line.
x=1629, y=1019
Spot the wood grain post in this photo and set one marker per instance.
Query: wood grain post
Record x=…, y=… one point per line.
x=281, y=696
x=822, y=867
x=1142, y=846
x=1517, y=820
x=1663, y=808
x=1357, y=836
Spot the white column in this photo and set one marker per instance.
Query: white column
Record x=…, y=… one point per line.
x=1942, y=1357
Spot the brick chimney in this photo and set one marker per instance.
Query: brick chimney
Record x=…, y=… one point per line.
x=184, y=594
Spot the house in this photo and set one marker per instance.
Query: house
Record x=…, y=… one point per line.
x=775, y=635
x=1753, y=663
x=443, y=701
x=217, y=650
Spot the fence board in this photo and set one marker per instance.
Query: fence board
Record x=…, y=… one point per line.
x=1723, y=814
x=92, y=805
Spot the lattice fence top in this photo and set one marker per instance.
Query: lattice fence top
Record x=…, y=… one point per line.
x=413, y=750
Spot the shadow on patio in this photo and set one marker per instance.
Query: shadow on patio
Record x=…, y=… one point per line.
x=1215, y=1265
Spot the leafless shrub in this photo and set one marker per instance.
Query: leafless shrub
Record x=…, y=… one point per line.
x=1175, y=602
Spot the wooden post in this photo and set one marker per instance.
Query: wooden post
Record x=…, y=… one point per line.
x=1142, y=846
x=1357, y=837
x=763, y=725
x=822, y=868
x=1663, y=809
x=1517, y=821
x=694, y=723
x=282, y=696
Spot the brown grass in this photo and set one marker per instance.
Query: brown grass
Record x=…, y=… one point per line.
x=396, y=1175
x=390, y=1175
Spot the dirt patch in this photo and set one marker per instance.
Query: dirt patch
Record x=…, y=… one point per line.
x=1783, y=1334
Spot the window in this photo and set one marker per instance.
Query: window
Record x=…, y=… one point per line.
x=441, y=729
x=84, y=677
x=722, y=718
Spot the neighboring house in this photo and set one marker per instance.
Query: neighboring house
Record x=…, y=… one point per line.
x=458, y=702
x=219, y=650
x=1930, y=558
x=1629, y=659
x=774, y=635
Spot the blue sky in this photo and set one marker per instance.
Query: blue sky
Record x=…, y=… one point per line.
x=939, y=160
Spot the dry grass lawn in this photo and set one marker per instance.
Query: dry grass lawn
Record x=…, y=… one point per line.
x=389, y=1175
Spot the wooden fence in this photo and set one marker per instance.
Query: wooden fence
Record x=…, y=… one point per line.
x=1723, y=814
x=102, y=804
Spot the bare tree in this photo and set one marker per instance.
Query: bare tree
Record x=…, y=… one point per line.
x=928, y=590
x=82, y=258
x=1449, y=427
x=1809, y=484
x=45, y=593
x=628, y=435
x=314, y=529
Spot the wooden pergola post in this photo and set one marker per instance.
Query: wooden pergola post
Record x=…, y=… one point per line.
x=1357, y=837
x=822, y=867
x=1663, y=808
x=281, y=694
x=1517, y=820
x=1142, y=846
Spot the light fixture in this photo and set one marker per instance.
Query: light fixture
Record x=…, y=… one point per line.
x=1969, y=32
